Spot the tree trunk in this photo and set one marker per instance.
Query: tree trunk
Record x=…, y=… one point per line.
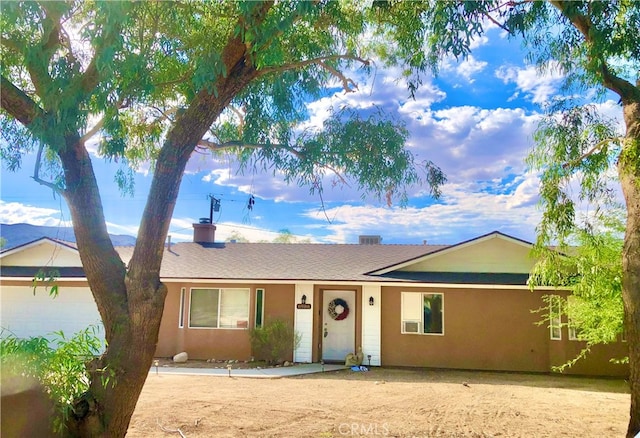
x=131, y=299
x=130, y=310
x=629, y=173
x=118, y=376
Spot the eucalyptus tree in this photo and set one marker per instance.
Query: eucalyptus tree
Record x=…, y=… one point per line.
x=156, y=81
x=596, y=45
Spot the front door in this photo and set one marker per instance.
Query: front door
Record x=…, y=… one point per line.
x=338, y=324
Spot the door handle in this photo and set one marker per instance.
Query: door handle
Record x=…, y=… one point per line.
x=326, y=332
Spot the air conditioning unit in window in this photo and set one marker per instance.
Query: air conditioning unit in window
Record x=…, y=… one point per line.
x=411, y=327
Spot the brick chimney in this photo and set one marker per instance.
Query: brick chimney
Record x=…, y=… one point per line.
x=204, y=232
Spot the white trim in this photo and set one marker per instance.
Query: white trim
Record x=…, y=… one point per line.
x=371, y=324
x=330, y=283
x=30, y=279
x=555, y=300
x=358, y=283
x=303, y=323
x=421, y=323
x=220, y=293
x=183, y=293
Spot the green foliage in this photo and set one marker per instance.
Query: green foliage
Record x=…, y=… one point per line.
x=576, y=147
x=273, y=341
x=57, y=362
x=237, y=237
x=136, y=67
x=285, y=236
x=592, y=271
x=47, y=278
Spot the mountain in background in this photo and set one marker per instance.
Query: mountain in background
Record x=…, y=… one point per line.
x=19, y=234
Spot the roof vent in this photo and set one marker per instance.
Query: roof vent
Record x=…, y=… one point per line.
x=369, y=240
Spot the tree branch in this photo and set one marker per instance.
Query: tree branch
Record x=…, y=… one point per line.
x=36, y=172
x=240, y=115
x=11, y=44
x=583, y=24
x=99, y=124
x=319, y=61
x=92, y=77
x=18, y=104
x=494, y=21
x=590, y=152
x=185, y=77
x=345, y=81
x=217, y=147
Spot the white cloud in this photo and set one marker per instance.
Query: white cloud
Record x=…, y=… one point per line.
x=465, y=212
x=469, y=67
x=538, y=86
x=464, y=68
x=17, y=213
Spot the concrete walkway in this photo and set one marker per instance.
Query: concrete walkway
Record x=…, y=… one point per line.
x=268, y=373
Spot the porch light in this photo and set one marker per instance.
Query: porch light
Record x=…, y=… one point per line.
x=304, y=299
x=371, y=301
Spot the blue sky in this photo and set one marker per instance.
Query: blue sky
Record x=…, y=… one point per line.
x=475, y=120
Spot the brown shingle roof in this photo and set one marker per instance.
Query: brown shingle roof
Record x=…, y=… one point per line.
x=280, y=261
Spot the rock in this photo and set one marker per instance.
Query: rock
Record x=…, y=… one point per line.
x=181, y=357
x=287, y=363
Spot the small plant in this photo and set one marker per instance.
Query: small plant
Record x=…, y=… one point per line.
x=274, y=341
x=56, y=362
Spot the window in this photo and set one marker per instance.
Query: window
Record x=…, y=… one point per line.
x=422, y=313
x=219, y=308
x=181, y=314
x=259, y=307
x=555, y=324
x=574, y=332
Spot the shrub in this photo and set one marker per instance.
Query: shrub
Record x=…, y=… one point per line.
x=273, y=341
x=56, y=362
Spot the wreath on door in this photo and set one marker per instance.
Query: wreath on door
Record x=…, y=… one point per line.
x=334, y=307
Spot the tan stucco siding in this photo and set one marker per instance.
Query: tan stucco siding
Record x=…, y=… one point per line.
x=492, y=255
x=219, y=344
x=43, y=254
x=278, y=301
x=484, y=329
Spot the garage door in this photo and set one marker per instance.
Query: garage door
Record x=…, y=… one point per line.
x=24, y=314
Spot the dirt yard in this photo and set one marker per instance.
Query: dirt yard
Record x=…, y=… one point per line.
x=382, y=402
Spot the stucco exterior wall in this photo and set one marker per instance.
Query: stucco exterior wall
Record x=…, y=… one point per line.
x=45, y=253
x=217, y=343
x=495, y=254
x=484, y=329
x=488, y=329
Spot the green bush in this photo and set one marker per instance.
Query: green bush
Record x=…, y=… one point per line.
x=274, y=341
x=56, y=362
